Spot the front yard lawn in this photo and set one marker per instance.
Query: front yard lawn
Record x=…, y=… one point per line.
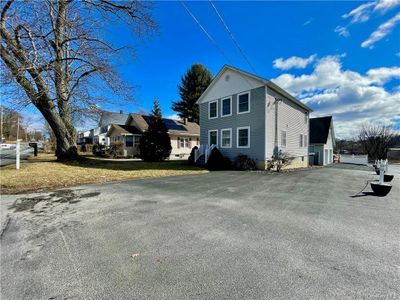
x=42, y=173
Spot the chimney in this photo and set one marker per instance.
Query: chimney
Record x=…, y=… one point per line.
x=121, y=112
x=185, y=120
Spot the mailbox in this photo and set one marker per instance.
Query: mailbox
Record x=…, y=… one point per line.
x=35, y=147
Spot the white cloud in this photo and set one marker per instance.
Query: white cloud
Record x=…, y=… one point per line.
x=293, y=62
x=308, y=22
x=385, y=5
x=342, y=31
x=382, y=31
x=173, y=117
x=361, y=13
x=351, y=97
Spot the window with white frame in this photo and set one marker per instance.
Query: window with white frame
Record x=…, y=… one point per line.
x=226, y=107
x=301, y=140
x=305, y=141
x=184, y=142
x=243, y=103
x=212, y=109
x=213, y=137
x=305, y=117
x=283, y=138
x=226, y=138
x=243, y=137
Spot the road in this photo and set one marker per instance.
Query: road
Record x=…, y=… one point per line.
x=221, y=235
x=8, y=156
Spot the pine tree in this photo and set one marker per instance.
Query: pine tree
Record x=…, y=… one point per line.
x=193, y=83
x=155, y=144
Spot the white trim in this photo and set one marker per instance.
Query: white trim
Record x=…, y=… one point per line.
x=208, y=137
x=237, y=103
x=222, y=107
x=230, y=137
x=209, y=104
x=283, y=146
x=237, y=137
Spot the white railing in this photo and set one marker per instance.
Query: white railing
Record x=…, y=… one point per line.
x=354, y=159
x=203, y=150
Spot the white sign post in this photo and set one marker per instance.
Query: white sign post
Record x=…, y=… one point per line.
x=17, y=154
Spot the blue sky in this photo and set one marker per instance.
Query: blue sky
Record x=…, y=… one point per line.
x=340, y=58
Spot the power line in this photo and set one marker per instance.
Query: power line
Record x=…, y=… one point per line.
x=205, y=31
x=232, y=36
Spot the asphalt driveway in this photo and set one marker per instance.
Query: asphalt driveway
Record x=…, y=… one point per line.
x=222, y=235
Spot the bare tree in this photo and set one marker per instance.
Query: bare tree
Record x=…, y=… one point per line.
x=376, y=139
x=53, y=51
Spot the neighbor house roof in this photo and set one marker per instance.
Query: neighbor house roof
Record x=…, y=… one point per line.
x=319, y=129
x=174, y=127
x=108, y=118
x=123, y=129
x=264, y=81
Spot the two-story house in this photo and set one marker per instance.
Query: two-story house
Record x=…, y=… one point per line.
x=107, y=118
x=242, y=113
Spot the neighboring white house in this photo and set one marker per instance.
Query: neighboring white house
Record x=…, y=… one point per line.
x=99, y=134
x=241, y=113
x=322, y=140
x=184, y=135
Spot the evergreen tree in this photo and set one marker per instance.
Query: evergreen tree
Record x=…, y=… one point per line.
x=193, y=83
x=155, y=144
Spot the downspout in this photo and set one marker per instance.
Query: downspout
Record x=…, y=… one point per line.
x=277, y=100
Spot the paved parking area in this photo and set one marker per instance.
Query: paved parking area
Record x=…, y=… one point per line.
x=222, y=235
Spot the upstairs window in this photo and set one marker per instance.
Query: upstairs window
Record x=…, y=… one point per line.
x=212, y=110
x=283, y=138
x=243, y=103
x=226, y=107
x=301, y=140
x=305, y=117
x=305, y=141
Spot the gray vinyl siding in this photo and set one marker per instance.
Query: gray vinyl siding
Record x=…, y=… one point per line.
x=255, y=119
x=291, y=118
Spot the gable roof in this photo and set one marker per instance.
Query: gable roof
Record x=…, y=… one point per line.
x=108, y=118
x=264, y=81
x=123, y=129
x=319, y=129
x=174, y=126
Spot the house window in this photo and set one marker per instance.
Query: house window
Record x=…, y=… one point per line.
x=184, y=142
x=243, y=103
x=305, y=141
x=301, y=140
x=305, y=117
x=283, y=138
x=213, y=110
x=129, y=141
x=136, y=140
x=226, y=138
x=226, y=107
x=243, y=137
x=311, y=149
x=213, y=137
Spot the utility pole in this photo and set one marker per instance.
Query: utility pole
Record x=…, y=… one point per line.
x=17, y=149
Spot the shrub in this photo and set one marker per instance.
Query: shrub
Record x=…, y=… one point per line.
x=99, y=150
x=191, y=156
x=216, y=161
x=279, y=160
x=116, y=149
x=243, y=162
